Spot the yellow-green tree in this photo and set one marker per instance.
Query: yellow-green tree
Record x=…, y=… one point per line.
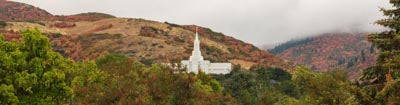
x=31, y=73
x=326, y=89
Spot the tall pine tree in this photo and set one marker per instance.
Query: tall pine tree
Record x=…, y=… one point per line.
x=388, y=64
x=385, y=75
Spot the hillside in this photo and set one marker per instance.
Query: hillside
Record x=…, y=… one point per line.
x=83, y=37
x=13, y=11
x=327, y=52
x=98, y=59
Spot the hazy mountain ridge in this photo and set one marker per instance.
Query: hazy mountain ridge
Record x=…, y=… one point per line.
x=84, y=37
x=289, y=44
x=344, y=51
x=12, y=11
x=15, y=11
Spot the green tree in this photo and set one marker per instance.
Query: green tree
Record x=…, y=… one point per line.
x=3, y=24
x=325, y=89
x=243, y=86
x=31, y=73
x=385, y=75
x=388, y=64
x=259, y=86
x=88, y=82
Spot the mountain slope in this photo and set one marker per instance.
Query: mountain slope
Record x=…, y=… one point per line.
x=13, y=11
x=144, y=40
x=349, y=52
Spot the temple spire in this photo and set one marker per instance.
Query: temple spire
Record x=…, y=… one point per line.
x=196, y=63
x=196, y=41
x=196, y=53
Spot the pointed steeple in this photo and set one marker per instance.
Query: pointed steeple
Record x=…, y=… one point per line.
x=196, y=53
x=196, y=42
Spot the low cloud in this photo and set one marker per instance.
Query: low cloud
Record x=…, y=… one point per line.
x=254, y=21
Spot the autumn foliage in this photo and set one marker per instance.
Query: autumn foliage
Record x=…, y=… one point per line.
x=348, y=52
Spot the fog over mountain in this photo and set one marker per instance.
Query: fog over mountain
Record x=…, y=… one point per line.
x=256, y=21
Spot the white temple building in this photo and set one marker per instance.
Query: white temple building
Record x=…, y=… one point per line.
x=197, y=63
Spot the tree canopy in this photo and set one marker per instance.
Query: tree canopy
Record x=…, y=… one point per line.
x=31, y=73
x=385, y=75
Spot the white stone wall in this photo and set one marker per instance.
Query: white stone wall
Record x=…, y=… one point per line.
x=220, y=68
x=207, y=67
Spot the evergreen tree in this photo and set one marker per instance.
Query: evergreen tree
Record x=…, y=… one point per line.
x=386, y=74
x=388, y=64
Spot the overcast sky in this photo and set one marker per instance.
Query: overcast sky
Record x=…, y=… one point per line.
x=255, y=21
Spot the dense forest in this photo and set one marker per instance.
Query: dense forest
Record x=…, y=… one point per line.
x=31, y=72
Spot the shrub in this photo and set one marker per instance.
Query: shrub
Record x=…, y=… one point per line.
x=3, y=24
x=35, y=22
x=172, y=24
